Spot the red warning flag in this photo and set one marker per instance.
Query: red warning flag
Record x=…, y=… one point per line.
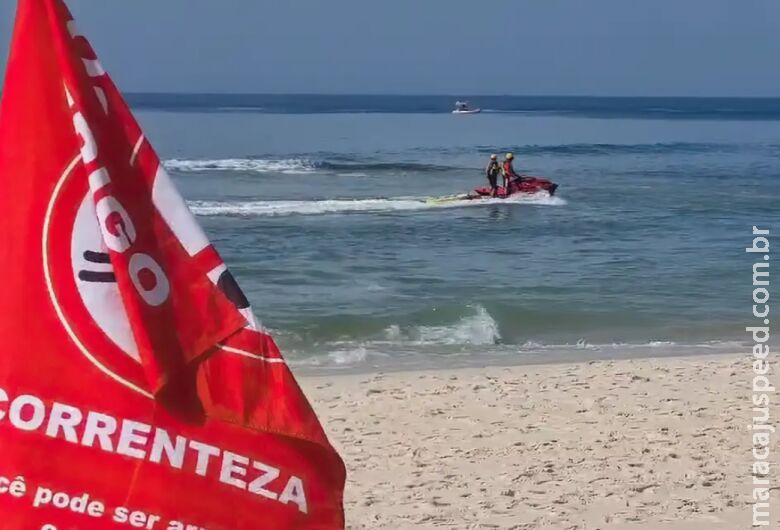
x=136, y=390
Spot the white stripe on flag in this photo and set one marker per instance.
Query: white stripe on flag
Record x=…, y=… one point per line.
x=271, y=360
x=136, y=149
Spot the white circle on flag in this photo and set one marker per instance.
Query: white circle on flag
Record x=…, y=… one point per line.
x=84, y=295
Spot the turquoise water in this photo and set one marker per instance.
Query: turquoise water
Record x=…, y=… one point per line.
x=318, y=208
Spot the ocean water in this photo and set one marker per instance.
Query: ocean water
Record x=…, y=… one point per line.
x=317, y=204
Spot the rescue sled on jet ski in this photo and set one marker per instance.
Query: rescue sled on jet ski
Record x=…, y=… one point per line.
x=518, y=187
x=524, y=185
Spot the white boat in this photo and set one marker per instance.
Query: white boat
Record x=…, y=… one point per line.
x=462, y=107
x=467, y=111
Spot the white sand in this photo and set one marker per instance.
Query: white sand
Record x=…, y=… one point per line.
x=640, y=444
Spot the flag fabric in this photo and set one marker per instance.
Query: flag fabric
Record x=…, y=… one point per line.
x=136, y=388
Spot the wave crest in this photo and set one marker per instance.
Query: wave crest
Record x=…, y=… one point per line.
x=479, y=329
x=297, y=165
x=254, y=165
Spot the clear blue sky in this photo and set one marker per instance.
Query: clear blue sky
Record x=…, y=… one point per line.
x=595, y=47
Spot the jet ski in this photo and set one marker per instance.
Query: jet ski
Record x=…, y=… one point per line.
x=525, y=186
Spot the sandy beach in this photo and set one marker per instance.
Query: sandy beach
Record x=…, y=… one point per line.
x=637, y=444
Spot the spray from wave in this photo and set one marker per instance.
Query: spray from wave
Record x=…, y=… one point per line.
x=477, y=329
x=343, y=206
x=474, y=339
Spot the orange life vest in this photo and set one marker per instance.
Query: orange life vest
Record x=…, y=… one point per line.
x=508, y=169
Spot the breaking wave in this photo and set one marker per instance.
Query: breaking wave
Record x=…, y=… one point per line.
x=477, y=329
x=296, y=165
x=292, y=165
x=407, y=354
x=333, y=206
x=470, y=336
x=338, y=163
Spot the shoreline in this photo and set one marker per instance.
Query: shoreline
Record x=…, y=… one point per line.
x=472, y=361
x=644, y=444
